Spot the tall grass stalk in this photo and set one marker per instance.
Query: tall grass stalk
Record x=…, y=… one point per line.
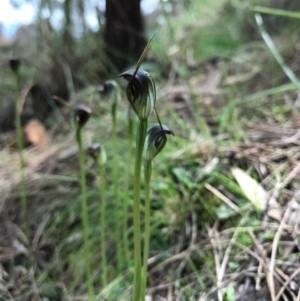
x=265, y=93
x=127, y=186
x=79, y=123
x=229, y=118
x=116, y=187
x=102, y=190
x=276, y=12
x=15, y=66
x=269, y=42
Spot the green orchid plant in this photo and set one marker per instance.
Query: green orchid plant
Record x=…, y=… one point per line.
x=82, y=114
x=98, y=154
x=141, y=94
x=156, y=139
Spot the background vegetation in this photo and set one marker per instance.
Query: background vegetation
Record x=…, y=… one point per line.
x=225, y=189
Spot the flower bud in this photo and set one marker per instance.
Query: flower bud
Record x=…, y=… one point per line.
x=97, y=152
x=156, y=138
x=94, y=151
x=82, y=115
x=111, y=90
x=14, y=64
x=140, y=92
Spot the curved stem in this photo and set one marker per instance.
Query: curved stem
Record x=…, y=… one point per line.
x=140, y=140
x=147, y=175
x=84, y=214
x=102, y=222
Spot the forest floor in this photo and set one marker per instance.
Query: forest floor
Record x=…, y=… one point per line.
x=225, y=190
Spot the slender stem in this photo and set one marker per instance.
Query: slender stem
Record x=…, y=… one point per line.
x=140, y=140
x=147, y=175
x=116, y=187
x=103, y=221
x=18, y=126
x=84, y=214
x=275, y=52
x=125, y=201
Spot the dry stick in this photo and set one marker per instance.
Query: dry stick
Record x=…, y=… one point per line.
x=228, y=250
x=261, y=236
x=222, y=267
x=286, y=283
x=276, y=190
x=217, y=261
x=262, y=261
x=265, y=263
x=235, y=276
x=258, y=279
x=255, y=258
x=176, y=257
x=270, y=278
x=220, y=195
x=227, y=253
x=285, y=277
x=298, y=297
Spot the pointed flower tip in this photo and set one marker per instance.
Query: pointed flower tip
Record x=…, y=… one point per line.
x=82, y=115
x=140, y=91
x=156, y=139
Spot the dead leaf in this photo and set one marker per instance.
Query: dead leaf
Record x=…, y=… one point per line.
x=274, y=210
x=36, y=133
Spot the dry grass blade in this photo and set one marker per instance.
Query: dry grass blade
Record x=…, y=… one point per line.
x=270, y=274
x=214, y=243
x=226, y=200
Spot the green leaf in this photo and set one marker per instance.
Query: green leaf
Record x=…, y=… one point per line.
x=252, y=190
x=229, y=293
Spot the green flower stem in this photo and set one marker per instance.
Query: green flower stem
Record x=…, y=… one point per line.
x=116, y=187
x=84, y=213
x=125, y=201
x=18, y=126
x=103, y=221
x=147, y=175
x=140, y=140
